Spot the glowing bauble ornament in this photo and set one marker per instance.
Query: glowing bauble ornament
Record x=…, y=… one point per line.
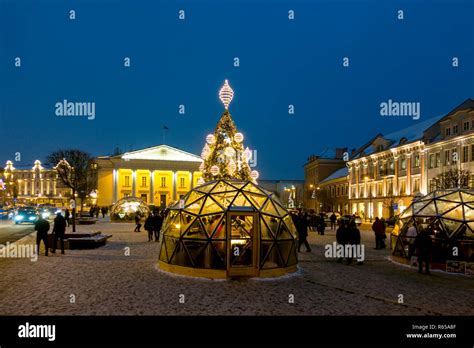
x=200, y=181
x=211, y=139
x=238, y=137
x=206, y=151
x=229, y=151
x=214, y=170
x=254, y=174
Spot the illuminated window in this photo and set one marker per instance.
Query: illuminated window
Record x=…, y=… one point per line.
x=465, y=153
x=127, y=181
x=143, y=181
x=403, y=163
x=417, y=160
x=446, y=158
x=416, y=185
x=438, y=159
x=403, y=187
x=466, y=126
x=163, y=181
x=182, y=183
x=432, y=161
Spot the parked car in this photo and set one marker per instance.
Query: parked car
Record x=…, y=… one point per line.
x=29, y=215
x=347, y=218
x=49, y=213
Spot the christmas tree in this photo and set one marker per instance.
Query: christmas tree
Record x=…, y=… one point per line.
x=224, y=154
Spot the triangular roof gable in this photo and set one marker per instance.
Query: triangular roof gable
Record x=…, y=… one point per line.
x=160, y=153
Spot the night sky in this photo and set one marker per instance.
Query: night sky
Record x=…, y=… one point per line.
x=173, y=62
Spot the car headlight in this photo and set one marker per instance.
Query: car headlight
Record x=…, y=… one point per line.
x=31, y=218
x=46, y=215
x=19, y=217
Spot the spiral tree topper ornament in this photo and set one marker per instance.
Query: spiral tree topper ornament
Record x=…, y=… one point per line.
x=226, y=94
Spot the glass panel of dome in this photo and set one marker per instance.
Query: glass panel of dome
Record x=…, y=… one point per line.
x=250, y=187
x=174, y=229
x=218, y=254
x=220, y=231
x=265, y=233
x=269, y=208
x=454, y=197
x=210, y=222
x=280, y=209
x=407, y=213
x=170, y=244
x=224, y=199
x=186, y=221
x=456, y=213
x=399, y=249
x=163, y=253
x=195, y=208
x=197, y=251
x=237, y=184
x=428, y=210
x=285, y=249
x=181, y=257
x=241, y=201
x=469, y=213
x=291, y=226
x=193, y=197
x=272, y=223
x=270, y=256
x=467, y=197
x=210, y=206
x=207, y=187
x=417, y=206
x=196, y=230
x=292, y=258
x=222, y=186
x=449, y=228
x=284, y=233
x=471, y=227
x=257, y=200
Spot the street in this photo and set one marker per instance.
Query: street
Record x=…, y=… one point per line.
x=9, y=232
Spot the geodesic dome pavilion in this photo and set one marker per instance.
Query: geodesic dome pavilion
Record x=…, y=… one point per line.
x=449, y=215
x=228, y=228
x=127, y=208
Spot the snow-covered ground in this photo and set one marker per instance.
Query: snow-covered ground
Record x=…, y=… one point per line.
x=106, y=281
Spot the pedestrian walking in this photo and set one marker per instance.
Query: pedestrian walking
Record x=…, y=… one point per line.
x=354, y=240
x=423, y=246
x=333, y=219
x=67, y=215
x=321, y=225
x=410, y=236
x=341, y=236
x=302, y=229
x=149, y=227
x=42, y=228
x=59, y=229
x=379, y=231
x=103, y=211
x=137, y=223
x=157, y=223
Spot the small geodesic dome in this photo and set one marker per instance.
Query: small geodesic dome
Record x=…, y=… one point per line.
x=228, y=228
x=449, y=216
x=127, y=208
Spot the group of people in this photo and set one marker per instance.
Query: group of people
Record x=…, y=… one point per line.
x=42, y=227
x=95, y=210
x=348, y=233
x=421, y=245
x=153, y=224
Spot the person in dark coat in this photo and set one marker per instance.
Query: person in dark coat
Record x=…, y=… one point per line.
x=157, y=223
x=59, y=229
x=321, y=225
x=137, y=222
x=302, y=229
x=67, y=215
x=333, y=219
x=353, y=239
x=379, y=230
x=342, y=235
x=42, y=228
x=423, y=246
x=149, y=227
x=103, y=211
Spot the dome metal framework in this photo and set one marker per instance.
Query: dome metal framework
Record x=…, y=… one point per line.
x=227, y=228
x=126, y=209
x=449, y=215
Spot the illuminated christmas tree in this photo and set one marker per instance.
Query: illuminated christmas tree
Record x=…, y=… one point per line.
x=224, y=154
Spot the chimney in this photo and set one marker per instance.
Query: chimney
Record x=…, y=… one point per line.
x=340, y=152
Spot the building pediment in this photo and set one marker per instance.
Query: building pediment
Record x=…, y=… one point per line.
x=160, y=153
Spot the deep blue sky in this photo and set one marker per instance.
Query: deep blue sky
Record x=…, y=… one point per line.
x=176, y=62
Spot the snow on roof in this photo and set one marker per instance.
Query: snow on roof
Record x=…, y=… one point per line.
x=343, y=172
x=412, y=133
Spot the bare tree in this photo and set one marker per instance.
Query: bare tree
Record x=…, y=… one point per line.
x=452, y=178
x=74, y=168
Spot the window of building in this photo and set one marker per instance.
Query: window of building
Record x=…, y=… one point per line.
x=454, y=156
x=126, y=181
x=380, y=189
x=403, y=187
x=391, y=167
x=417, y=161
x=438, y=160
x=381, y=169
x=181, y=183
x=416, y=185
x=143, y=181
x=472, y=152
x=466, y=126
x=455, y=129
x=432, y=161
x=446, y=158
x=163, y=181
x=448, y=131
x=465, y=153
x=403, y=163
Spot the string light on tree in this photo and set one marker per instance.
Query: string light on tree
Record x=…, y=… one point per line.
x=238, y=137
x=226, y=94
x=254, y=174
x=214, y=170
x=211, y=139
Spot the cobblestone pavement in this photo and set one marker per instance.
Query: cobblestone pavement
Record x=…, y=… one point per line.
x=106, y=282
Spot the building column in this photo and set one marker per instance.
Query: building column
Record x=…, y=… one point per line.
x=175, y=175
x=408, y=192
x=395, y=179
x=134, y=182
x=423, y=172
x=115, y=175
x=152, y=187
x=191, y=178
